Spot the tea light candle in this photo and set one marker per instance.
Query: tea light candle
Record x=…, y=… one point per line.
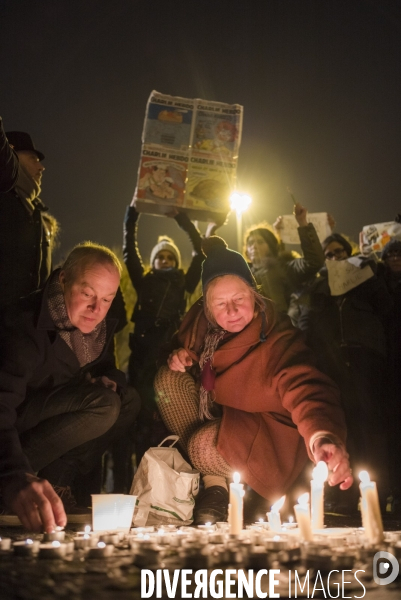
x=109, y=538
x=235, y=509
x=5, y=543
x=82, y=541
x=57, y=535
x=370, y=509
x=52, y=550
x=274, y=515
x=319, y=476
x=102, y=550
x=26, y=548
x=303, y=517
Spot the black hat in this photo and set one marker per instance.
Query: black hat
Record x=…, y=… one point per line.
x=394, y=245
x=22, y=141
x=220, y=260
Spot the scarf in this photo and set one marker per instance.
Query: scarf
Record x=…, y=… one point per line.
x=206, y=393
x=87, y=347
x=26, y=187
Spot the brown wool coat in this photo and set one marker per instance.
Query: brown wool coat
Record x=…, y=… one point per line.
x=274, y=399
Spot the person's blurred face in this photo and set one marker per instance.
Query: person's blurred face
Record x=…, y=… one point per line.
x=335, y=251
x=164, y=260
x=257, y=248
x=231, y=302
x=393, y=261
x=32, y=165
x=89, y=296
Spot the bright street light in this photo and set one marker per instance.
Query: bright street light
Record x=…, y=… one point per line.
x=240, y=203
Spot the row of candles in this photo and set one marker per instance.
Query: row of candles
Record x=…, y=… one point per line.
x=310, y=517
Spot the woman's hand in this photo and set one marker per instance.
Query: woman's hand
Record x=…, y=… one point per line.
x=179, y=360
x=337, y=460
x=301, y=214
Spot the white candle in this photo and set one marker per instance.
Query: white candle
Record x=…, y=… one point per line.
x=5, y=543
x=102, y=550
x=235, y=509
x=274, y=515
x=26, y=548
x=319, y=476
x=57, y=535
x=370, y=509
x=303, y=517
x=52, y=550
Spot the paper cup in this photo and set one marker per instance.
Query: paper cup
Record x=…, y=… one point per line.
x=105, y=511
x=126, y=512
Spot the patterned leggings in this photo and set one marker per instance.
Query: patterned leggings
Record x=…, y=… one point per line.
x=178, y=402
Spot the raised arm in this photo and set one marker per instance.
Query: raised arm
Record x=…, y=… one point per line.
x=8, y=163
x=193, y=274
x=132, y=257
x=301, y=269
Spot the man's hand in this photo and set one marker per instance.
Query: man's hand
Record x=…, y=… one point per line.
x=179, y=360
x=301, y=214
x=337, y=461
x=35, y=502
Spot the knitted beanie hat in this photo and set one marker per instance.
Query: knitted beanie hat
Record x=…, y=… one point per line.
x=220, y=260
x=268, y=236
x=394, y=245
x=165, y=243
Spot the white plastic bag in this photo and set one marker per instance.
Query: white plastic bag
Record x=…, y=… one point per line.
x=165, y=486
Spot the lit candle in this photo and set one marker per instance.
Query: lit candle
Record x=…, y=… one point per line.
x=57, y=535
x=52, y=550
x=370, y=509
x=303, y=517
x=26, y=548
x=274, y=515
x=5, y=543
x=102, y=550
x=235, y=509
x=319, y=476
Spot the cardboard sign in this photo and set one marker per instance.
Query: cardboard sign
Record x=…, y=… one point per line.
x=344, y=275
x=289, y=231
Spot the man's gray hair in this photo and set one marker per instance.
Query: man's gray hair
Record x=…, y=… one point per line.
x=85, y=255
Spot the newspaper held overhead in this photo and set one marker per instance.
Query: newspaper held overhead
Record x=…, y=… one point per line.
x=289, y=230
x=344, y=275
x=189, y=156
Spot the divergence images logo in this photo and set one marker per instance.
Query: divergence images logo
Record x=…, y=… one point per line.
x=385, y=568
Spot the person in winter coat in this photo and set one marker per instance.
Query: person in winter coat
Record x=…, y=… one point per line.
x=27, y=236
x=62, y=399
x=243, y=394
x=277, y=272
x=160, y=306
x=347, y=335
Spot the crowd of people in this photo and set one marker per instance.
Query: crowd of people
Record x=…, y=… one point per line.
x=267, y=369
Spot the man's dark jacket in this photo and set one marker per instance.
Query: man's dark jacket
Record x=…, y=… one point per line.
x=25, y=253
x=35, y=360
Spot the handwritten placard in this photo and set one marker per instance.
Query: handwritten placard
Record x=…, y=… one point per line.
x=344, y=275
x=289, y=231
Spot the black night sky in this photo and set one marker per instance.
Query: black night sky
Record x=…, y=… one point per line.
x=320, y=82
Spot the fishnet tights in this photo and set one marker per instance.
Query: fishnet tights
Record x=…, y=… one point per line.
x=178, y=402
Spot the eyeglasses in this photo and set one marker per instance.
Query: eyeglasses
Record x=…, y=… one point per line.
x=336, y=252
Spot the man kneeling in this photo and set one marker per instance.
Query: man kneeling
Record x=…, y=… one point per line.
x=62, y=399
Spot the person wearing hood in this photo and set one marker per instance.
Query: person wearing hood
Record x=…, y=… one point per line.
x=241, y=391
x=26, y=232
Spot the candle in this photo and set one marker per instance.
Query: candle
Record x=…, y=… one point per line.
x=274, y=515
x=319, y=476
x=52, y=550
x=5, y=543
x=303, y=517
x=102, y=550
x=26, y=548
x=235, y=509
x=370, y=509
x=57, y=535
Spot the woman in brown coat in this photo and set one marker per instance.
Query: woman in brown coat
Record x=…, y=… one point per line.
x=242, y=392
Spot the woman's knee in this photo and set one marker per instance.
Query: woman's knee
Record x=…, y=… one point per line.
x=171, y=385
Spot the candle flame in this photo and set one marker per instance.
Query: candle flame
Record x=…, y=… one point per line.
x=101, y=545
x=320, y=472
x=276, y=538
x=28, y=541
x=364, y=477
x=304, y=499
x=290, y=519
x=208, y=524
x=56, y=544
x=236, y=477
x=86, y=536
x=87, y=528
x=277, y=506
